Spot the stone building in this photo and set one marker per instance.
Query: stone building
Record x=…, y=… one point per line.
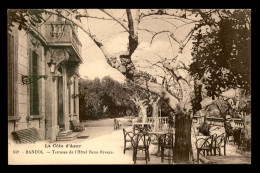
x=43, y=78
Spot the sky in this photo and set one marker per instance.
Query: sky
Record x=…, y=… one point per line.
x=115, y=39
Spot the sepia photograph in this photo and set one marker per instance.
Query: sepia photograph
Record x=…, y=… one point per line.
x=129, y=86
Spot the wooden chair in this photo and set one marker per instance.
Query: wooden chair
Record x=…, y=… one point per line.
x=29, y=135
x=141, y=129
x=218, y=143
x=128, y=137
x=141, y=142
x=136, y=129
x=243, y=142
x=204, y=146
x=236, y=135
x=75, y=127
x=117, y=124
x=166, y=142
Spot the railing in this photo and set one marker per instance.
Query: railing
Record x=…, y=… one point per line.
x=59, y=33
x=199, y=120
x=215, y=121
x=162, y=120
x=212, y=120
x=76, y=42
x=220, y=122
x=238, y=123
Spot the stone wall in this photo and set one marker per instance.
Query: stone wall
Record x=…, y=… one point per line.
x=22, y=94
x=47, y=121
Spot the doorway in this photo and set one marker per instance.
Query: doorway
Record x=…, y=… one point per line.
x=60, y=116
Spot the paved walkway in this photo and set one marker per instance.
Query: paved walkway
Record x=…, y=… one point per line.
x=112, y=143
x=105, y=149
x=233, y=154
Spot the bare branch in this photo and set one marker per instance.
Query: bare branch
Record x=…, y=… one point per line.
x=111, y=60
x=161, y=92
x=94, y=17
x=157, y=34
x=116, y=19
x=164, y=13
x=186, y=24
x=156, y=64
x=137, y=20
x=171, y=45
x=184, y=67
x=130, y=23
x=151, y=32
x=175, y=39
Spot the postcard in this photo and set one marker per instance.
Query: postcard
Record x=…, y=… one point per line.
x=129, y=86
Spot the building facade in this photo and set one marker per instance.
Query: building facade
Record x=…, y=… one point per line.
x=38, y=95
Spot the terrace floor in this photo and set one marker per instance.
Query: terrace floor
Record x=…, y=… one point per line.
x=101, y=144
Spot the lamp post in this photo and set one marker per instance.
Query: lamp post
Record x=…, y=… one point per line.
x=52, y=66
x=27, y=79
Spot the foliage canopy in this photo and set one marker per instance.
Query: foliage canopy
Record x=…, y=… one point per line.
x=222, y=52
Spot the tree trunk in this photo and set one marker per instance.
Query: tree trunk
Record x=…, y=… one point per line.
x=182, y=138
x=196, y=103
x=155, y=110
x=143, y=113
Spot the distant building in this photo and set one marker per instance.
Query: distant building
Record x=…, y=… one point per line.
x=49, y=103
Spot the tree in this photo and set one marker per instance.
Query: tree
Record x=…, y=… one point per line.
x=222, y=51
x=179, y=101
x=90, y=93
x=103, y=98
x=82, y=99
x=154, y=101
x=123, y=61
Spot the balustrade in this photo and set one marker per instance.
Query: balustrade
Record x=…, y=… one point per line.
x=220, y=122
x=162, y=120
x=60, y=33
x=212, y=120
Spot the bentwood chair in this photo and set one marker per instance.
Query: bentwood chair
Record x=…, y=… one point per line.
x=218, y=143
x=141, y=142
x=167, y=142
x=128, y=137
x=141, y=129
x=204, y=146
x=136, y=129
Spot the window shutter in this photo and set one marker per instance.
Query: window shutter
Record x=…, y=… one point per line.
x=11, y=87
x=34, y=90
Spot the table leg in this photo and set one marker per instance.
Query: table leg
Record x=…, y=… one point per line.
x=158, y=153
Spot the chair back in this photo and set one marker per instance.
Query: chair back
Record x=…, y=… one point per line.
x=224, y=138
x=167, y=139
x=219, y=141
x=205, y=142
x=141, y=129
x=144, y=129
x=135, y=129
x=128, y=135
x=141, y=139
